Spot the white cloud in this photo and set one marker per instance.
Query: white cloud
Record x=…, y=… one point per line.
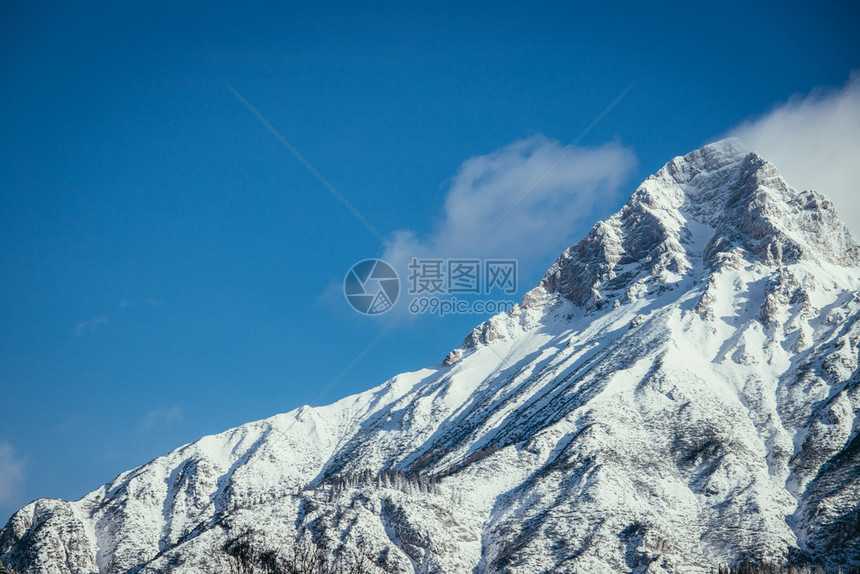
x=541, y=224
x=814, y=141
x=90, y=324
x=160, y=417
x=11, y=473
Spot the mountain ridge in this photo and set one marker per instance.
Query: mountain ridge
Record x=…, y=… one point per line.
x=680, y=390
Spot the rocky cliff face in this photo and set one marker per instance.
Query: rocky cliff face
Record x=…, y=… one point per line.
x=692, y=215
x=680, y=391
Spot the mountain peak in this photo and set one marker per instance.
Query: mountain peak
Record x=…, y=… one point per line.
x=684, y=220
x=709, y=416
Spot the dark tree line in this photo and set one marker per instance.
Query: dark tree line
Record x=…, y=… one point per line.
x=251, y=553
x=774, y=568
x=409, y=483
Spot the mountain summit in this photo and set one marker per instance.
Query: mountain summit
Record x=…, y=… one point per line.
x=680, y=391
x=694, y=213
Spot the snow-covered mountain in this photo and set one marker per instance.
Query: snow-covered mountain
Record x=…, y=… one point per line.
x=680, y=391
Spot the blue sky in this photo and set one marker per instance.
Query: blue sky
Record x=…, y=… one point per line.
x=170, y=269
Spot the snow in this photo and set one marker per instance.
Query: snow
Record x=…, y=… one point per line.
x=680, y=391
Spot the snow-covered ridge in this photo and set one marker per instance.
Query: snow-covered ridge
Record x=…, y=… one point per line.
x=695, y=212
x=680, y=391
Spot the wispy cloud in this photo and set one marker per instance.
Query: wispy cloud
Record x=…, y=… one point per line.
x=160, y=417
x=91, y=324
x=543, y=222
x=814, y=140
x=11, y=473
x=124, y=306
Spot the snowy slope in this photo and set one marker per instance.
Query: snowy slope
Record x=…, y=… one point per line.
x=681, y=390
